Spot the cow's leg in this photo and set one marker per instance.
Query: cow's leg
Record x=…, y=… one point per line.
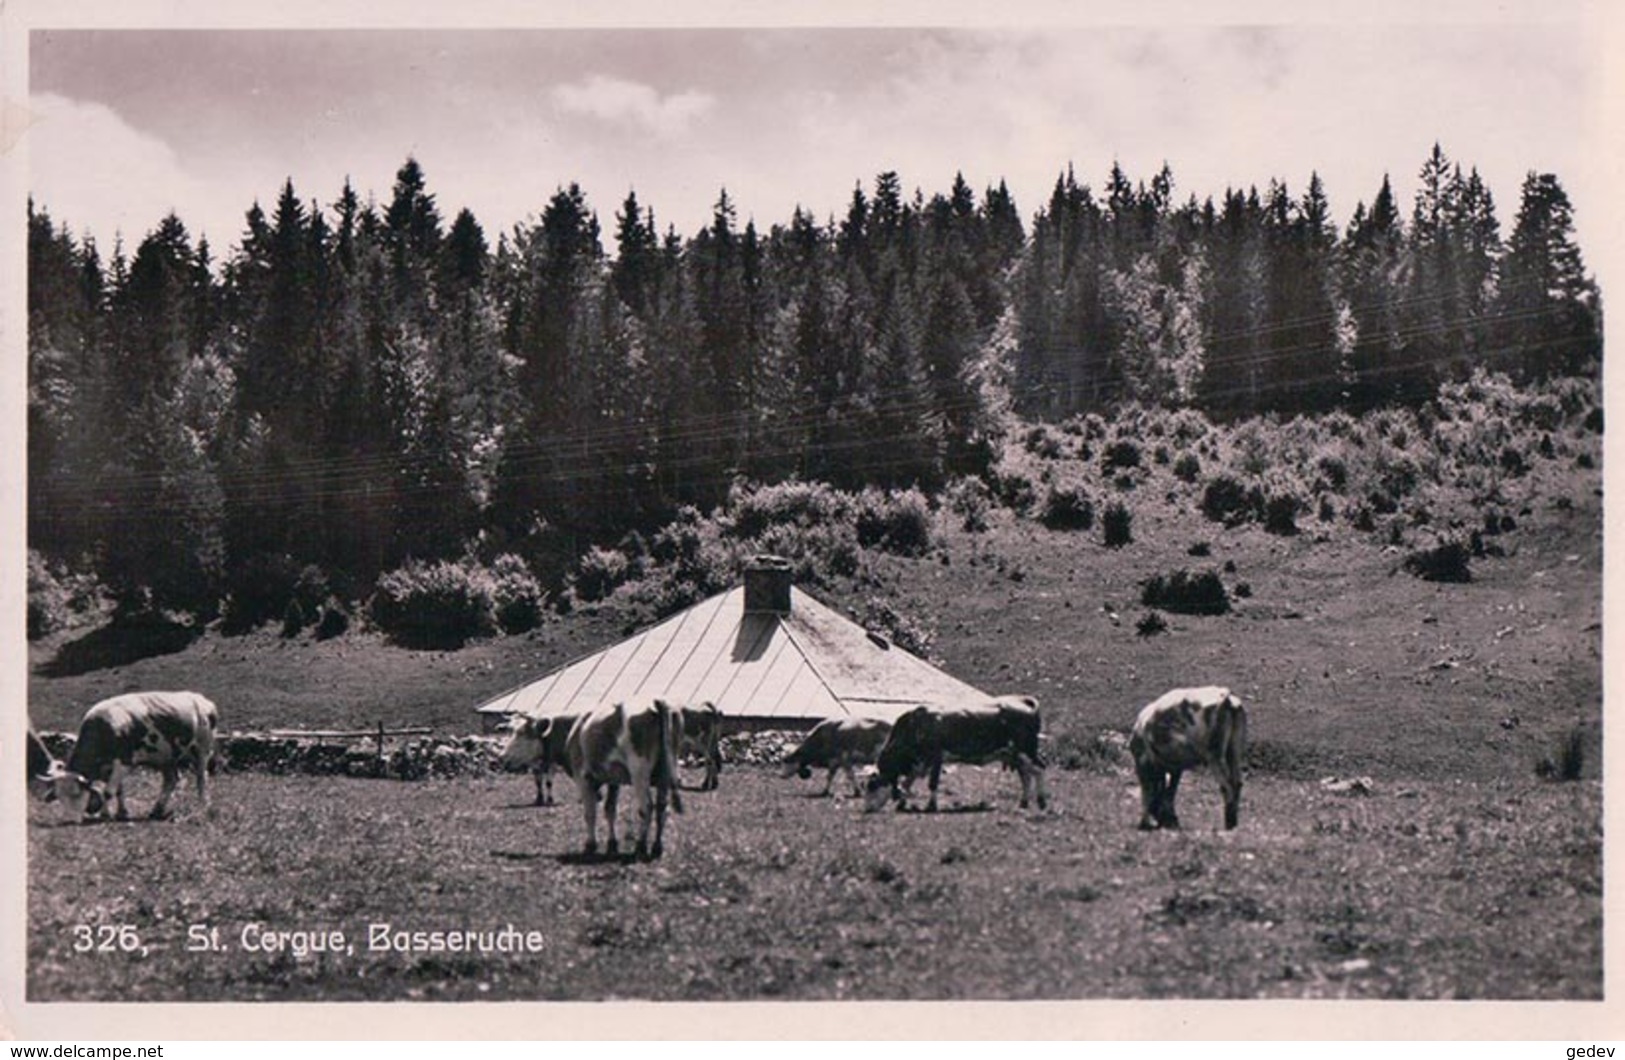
x=589, y=807
x=543, y=784
x=713, y=766
x=851, y=779
x=1230, y=784
x=662, y=797
x=1032, y=780
x=172, y=777
x=642, y=798
x=936, y=777
x=1151, y=778
x=1167, y=817
x=200, y=769
x=116, y=783
x=611, y=798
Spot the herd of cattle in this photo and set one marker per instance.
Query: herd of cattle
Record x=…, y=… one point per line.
x=620, y=745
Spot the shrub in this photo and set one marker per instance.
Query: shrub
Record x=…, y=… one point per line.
x=1593, y=420
x=311, y=588
x=1150, y=624
x=1188, y=425
x=259, y=590
x=1041, y=441
x=1252, y=441
x=1161, y=456
x=1067, y=508
x=1015, y=491
x=1334, y=472
x=1200, y=549
x=1188, y=467
x=598, y=573
x=518, y=597
x=1121, y=455
x=752, y=509
x=1118, y=525
x=971, y=500
x=897, y=522
x=57, y=598
x=1225, y=500
x=691, y=562
x=678, y=539
x=1382, y=503
x=1447, y=562
x=294, y=620
x=1185, y=593
x=1397, y=475
x=439, y=605
x=1281, y=514
x=816, y=552
x=334, y=622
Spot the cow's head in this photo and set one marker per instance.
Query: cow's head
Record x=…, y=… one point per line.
x=878, y=790
x=75, y=791
x=42, y=786
x=524, y=746
x=795, y=766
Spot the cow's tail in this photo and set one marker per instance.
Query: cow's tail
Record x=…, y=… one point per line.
x=665, y=757
x=1238, y=732
x=211, y=719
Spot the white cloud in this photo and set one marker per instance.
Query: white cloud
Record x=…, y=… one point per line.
x=94, y=172
x=617, y=100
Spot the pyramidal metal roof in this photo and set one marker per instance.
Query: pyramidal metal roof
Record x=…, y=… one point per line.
x=804, y=665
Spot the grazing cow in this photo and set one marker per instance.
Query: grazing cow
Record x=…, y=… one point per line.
x=43, y=768
x=702, y=731
x=1004, y=728
x=616, y=745
x=168, y=731
x=836, y=744
x=1188, y=727
x=537, y=744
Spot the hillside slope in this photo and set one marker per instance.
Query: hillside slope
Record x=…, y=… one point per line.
x=1348, y=663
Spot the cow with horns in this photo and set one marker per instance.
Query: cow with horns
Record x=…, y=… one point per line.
x=1003, y=729
x=538, y=745
x=838, y=744
x=702, y=736
x=168, y=731
x=43, y=768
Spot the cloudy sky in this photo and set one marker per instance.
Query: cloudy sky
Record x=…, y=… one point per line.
x=130, y=124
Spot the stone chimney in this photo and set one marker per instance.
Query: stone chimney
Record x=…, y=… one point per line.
x=767, y=585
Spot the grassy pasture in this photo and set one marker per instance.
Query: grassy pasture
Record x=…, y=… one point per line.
x=1426, y=890
x=1463, y=876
